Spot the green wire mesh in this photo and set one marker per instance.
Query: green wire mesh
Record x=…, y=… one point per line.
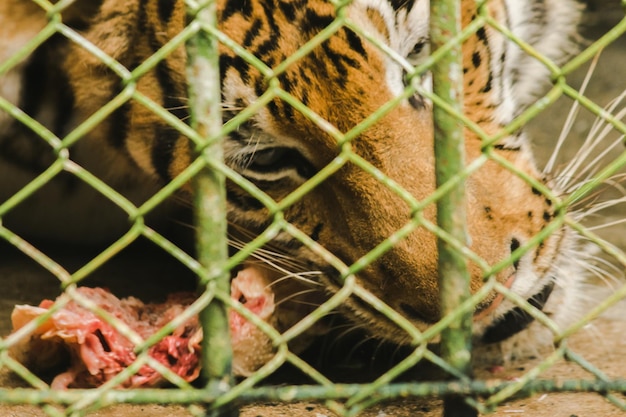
x=208, y=172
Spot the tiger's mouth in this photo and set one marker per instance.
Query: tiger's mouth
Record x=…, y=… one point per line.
x=510, y=323
x=516, y=319
x=483, y=311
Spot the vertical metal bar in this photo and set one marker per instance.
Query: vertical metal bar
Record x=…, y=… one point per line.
x=445, y=23
x=210, y=200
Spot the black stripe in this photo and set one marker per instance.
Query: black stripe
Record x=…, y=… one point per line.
x=172, y=92
x=65, y=106
x=267, y=47
x=286, y=82
x=166, y=136
x=487, y=87
x=402, y=4
x=118, y=126
x=289, y=9
x=252, y=33
x=303, y=75
x=315, y=22
x=315, y=234
x=238, y=64
x=142, y=19
x=260, y=86
x=165, y=9
x=271, y=61
x=304, y=97
x=268, y=7
x=163, y=149
x=35, y=76
x=355, y=43
x=340, y=61
x=239, y=7
x=417, y=102
x=80, y=14
x=502, y=147
x=119, y=121
x=476, y=60
x=287, y=85
x=482, y=35
x=287, y=111
x=45, y=91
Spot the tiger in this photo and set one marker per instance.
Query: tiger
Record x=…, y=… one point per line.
x=60, y=83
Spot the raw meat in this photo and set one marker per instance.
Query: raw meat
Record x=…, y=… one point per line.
x=97, y=351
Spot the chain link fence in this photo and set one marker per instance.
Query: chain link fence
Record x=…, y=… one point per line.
x=216, y=391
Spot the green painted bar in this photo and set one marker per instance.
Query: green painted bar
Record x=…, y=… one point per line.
x=445, y=17
x=210, y=200
x=290, y=393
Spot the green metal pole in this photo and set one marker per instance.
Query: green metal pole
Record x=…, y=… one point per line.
x=210, y=202
x=445, y=23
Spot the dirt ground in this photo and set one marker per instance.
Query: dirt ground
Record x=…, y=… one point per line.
x=602, y=342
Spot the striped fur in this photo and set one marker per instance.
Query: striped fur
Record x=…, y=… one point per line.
x=342, y=81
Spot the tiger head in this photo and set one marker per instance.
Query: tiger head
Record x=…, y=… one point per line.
x=362, y=66
x=346, y=79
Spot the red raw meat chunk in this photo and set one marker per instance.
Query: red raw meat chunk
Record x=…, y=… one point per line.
x=98, y=352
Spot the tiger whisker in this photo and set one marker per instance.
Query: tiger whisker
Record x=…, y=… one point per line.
x=299, y=276
x=183, y=107
x=291, y=298
x=569, y=122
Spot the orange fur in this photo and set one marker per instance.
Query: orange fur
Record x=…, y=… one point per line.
x=351, y=212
